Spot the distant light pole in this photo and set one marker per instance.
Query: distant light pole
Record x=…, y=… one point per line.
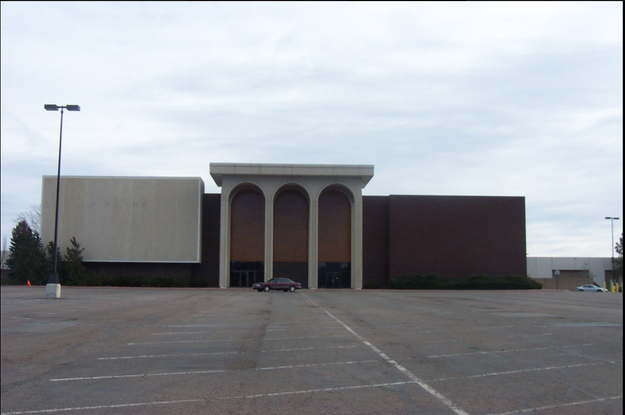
x=53, y=288
x=612, y=219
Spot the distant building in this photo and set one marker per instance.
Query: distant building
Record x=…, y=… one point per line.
x=566, y=273
x=309, y=223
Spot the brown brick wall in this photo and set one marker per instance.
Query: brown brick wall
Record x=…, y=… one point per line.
x=456, y=236
x=375, y=240
x=443, y=235
x=209, y=269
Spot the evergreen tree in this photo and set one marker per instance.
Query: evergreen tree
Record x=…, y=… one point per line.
x=26, y=261
x=73, y=269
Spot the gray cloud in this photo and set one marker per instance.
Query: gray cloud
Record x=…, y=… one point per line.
x=476, y=99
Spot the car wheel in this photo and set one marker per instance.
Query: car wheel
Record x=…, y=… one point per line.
x=266, y=289
x=291, y=289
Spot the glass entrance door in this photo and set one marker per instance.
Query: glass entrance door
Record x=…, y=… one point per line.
x=245, y=274
x=243, y=278
x=334, y=275
x=246, y=277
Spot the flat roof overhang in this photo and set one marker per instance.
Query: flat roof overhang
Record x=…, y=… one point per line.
x=363, y=171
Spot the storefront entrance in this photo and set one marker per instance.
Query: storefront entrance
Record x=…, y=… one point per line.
x=334, y=275
x=245, y=274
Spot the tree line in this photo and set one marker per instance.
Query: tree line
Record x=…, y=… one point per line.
x=28, y=260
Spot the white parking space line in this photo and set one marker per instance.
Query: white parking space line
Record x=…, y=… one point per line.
x=509, y=351
x=175, y=333
x=183, y=401
x=516, y=336
x=152, y=356
x=310, y=348
x=220, y=325
x=49, y=324
x=236, y=340
x=443, y=399
x=298, y=349
x=172, y=333
x=91, y=408
x=140, y=375
x=512, y=372
x=156, y=356
x=564, y=405
x=202, y=372
x=338, y=388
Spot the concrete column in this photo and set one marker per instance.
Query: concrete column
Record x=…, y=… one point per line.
x=313, y=242
x=224, y=241
x=268, y=237
x=356, y=266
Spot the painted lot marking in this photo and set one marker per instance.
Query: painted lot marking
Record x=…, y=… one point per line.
x=529, y=335
x=201, y=372
x=511, y=372
x=152, y=356
x=443, y=399
x=295, y=349
x=584, y=324
x=409, y=327
x=175, y=333
x=509, y=351
x=212, y=327
x=236, y=340
x=564, y=405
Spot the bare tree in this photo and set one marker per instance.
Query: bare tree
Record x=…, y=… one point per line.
x=32, y=218
x=5, y=252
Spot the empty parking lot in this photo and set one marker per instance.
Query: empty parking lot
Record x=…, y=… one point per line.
x=189, y=351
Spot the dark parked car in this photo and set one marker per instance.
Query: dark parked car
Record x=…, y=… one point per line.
x=283, y=284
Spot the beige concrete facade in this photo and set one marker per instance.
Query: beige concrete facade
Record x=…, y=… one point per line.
x=313, y=179
x=126, y=219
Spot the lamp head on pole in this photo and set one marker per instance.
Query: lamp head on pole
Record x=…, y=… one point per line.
x=54, y=107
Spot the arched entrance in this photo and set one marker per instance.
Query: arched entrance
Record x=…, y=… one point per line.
x=335, y=239
x=290, y=235
x=247, y=237
x=295, y=236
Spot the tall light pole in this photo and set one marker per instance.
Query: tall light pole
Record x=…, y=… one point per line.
x=53, y=288
x=612, y=219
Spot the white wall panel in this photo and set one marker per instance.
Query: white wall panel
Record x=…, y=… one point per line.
x=127, y=219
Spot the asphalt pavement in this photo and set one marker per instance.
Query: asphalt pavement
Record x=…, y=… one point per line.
x=237, y=351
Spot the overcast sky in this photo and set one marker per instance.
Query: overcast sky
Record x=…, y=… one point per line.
x=496, y=99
